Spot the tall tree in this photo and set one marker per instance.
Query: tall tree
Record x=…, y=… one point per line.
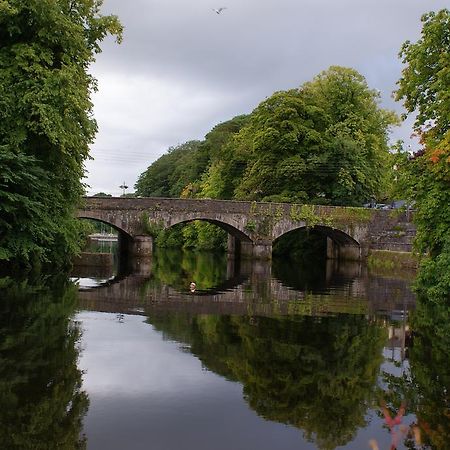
x=46, y=122
x=326, y=142
x=424, y=88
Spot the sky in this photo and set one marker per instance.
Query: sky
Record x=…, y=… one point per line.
x=182, y=68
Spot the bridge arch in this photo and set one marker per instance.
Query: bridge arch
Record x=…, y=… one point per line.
x=230, y=227
x=336, y=234
x=120, y=230
x=339, y=243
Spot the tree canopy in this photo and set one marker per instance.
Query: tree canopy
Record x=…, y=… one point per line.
x=46, y=121
x=424, y=88
x=170, y=173
x=325, y=142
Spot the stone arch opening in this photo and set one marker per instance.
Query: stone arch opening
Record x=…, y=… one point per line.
x=237, y=241
x=229, y=228
x=124, y=244
x=335, y=243
x=120, y=231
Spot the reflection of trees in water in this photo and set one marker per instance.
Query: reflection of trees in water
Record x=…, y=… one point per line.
x=41, y=402
x=426, y=387
x=430, y=370
x=317, y=374
x=178, y=269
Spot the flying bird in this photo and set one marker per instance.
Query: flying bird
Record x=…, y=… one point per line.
x=219, y=10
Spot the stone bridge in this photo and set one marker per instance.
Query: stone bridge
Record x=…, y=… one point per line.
x=254, y=226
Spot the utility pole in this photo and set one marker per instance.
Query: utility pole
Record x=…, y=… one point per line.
x=124, y=187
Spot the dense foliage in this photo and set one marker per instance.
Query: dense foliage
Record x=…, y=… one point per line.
x=46, y=122
x=168, y=176
x=424, y=87
x=323, y=143
x=179, y=172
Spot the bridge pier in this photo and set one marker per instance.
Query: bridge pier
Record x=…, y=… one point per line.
x=343, y=252
x=232, y=244
x=256, y=250
x=142, y=266
x=262, y=251
x=142, y=246
x=248, y=249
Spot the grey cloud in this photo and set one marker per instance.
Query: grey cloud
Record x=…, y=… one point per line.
x=256, y=42
x=185, y=64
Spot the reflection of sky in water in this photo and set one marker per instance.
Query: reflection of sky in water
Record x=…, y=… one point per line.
x=146, y=392
x=87, y=283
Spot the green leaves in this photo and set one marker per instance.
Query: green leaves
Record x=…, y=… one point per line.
x=334, y=126
x=424, y=88
x=170, y=174
x=46, y=122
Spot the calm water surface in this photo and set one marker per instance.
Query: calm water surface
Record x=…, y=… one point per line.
x=260, y=356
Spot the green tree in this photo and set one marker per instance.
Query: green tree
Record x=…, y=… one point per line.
x=46, y=122
x=282, y=131
x=425, y=77
x=323, y=143
x=358, y=130
x=424, y=88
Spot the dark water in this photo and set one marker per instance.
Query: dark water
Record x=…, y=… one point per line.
x=286, y=355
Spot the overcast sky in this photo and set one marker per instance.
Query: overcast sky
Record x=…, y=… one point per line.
x=182, y=68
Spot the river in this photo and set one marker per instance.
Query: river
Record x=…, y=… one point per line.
x=281, y=355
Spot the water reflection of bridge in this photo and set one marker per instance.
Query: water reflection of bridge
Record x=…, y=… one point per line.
x=252, y=290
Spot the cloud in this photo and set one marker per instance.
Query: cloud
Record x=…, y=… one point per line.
x=183, y=68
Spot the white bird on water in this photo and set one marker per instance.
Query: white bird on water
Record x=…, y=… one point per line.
x=219, y=10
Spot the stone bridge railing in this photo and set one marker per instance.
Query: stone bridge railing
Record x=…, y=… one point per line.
x=254, y=226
